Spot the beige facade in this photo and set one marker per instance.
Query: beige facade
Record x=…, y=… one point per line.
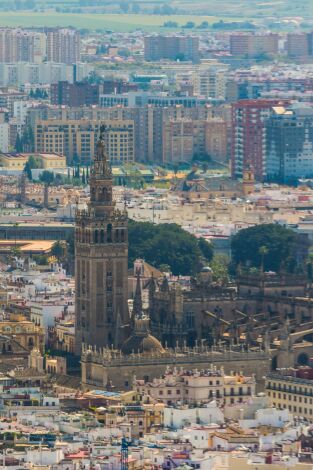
x=292, y=393
x=13, y=162
x=76, y=139
x=210, y=82
x=184, y=139
x=98, y=368
x=47, y=161
x=195, y=387
x=25, y=333
x=216, y=139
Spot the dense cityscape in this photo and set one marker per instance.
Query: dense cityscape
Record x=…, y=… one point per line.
x=156, y=235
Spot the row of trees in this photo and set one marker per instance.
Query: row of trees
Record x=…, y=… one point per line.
x=26, y=141
x=266, y=247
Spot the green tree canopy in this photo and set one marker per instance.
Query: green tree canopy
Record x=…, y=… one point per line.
x=270, y=245
x=46, y=177
x=167, y=244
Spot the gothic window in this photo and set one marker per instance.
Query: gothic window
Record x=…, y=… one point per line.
x=122, y=236
x=102, y=236
x=109, y=233
x=110, y=338
x=96, y=236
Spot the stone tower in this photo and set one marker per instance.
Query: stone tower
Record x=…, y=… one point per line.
x=101, y=243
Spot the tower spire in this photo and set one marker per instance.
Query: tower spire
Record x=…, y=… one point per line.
x=101, y=176
x=137, y=310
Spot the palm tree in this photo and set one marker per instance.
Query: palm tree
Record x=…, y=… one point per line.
x=263, y=251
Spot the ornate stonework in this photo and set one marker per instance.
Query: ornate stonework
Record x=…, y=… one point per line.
x=101, y=243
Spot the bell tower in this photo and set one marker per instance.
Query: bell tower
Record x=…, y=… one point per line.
x=101, y=247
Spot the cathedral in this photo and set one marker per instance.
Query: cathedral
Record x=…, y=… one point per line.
x=238, y=325
x=101, y=270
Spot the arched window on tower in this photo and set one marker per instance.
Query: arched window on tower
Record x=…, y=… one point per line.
x=122, y=235
x=109, y=233
x=102, y=236
x=96, y=236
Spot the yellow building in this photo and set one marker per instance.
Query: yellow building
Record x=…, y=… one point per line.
x=286, y=390
x=47, y=161
x=13, y=162
x=25, y=333
x=78, y=138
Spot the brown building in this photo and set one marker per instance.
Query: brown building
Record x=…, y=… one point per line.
x=251, y=45
x=74, y=94
x=184, y=139
x=171, y=47
x=297, y=45
x=101, y=246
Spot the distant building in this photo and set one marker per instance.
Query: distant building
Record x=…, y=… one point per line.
x=248, y=136
x=76, y=139
x=171, y=47
x=196, y=387
x=251, y=45
x=74, y=94
x=289, y=144
x=63, y=45
x=46, y=161
x=292, y=389
x=4, y=137
x=19, y=45
x=297, y=45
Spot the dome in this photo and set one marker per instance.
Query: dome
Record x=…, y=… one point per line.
x=143, y=344
x=141, y=340
x=206, y=269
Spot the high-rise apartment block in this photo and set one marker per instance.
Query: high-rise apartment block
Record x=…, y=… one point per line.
x=76, y=139
x=248, y=148
x=19, y=45
x=181, y=48
x=185, y=139
x=297, y=45
x=289, y=144
x=63, y=45
x=210, y=82
x=251, y=45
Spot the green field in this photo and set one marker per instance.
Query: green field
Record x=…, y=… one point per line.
x=118, y=22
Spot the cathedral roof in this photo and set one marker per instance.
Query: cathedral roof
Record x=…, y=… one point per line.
x=143, y=344
x=141, y=340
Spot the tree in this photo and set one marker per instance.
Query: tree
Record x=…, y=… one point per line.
x=263, y=250
x=58, y=250
x=83, y=177
x=165, y=244
x=28, y=171
x=124, y=6
x=18, y=144
x=189, y=25
x=46, y=177
x=206, y=249
x=220, y=269
x=248, y=247
x=135, y=8
x=32, y=162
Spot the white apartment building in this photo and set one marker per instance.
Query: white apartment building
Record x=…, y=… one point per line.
x=4, y=137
